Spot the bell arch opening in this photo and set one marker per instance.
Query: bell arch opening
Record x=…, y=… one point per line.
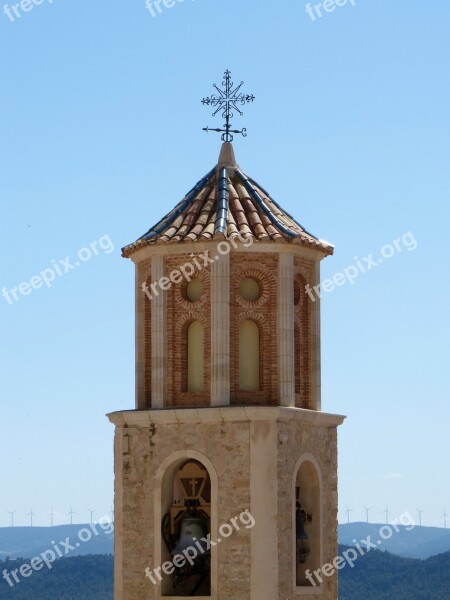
x=307, y=519
x=186, y=500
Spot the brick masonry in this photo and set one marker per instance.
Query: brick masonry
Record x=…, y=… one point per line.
x=181, y=313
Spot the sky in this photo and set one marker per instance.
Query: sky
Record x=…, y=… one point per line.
x=101, y=135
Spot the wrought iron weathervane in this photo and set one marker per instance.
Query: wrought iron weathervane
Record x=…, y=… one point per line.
x=228, y=100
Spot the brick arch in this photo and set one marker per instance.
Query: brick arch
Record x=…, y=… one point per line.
x=303, y=272
x=187, y=318
x=253, y=267
x=252, y=316
x=264, y=268
x=180, y=313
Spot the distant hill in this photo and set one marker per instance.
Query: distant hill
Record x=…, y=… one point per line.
x=420, y=542
x=376, y=576
x=31, y=541
x=382, y=576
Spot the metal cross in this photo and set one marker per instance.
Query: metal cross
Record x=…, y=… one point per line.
x=228, y=100
x=193, y=483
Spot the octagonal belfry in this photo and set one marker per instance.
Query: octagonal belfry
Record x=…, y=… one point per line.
x=227, y=442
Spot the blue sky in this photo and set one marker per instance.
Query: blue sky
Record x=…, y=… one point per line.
x=100, y=135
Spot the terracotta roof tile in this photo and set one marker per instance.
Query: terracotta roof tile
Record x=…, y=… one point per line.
x=246, y=210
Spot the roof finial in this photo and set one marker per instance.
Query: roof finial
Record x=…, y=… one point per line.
x=227, y=101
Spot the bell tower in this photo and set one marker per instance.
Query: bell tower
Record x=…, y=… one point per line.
x=226, y=470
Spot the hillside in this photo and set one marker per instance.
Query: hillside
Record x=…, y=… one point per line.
x=377, y=576
x=79, y=578
x=419, y=542
x=382, y=576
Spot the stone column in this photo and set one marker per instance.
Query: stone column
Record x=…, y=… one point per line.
x=220, y=331
x=286, y=341
x=263, y=507
x=316, y=402
x=140, y=275
x=159, y=338
x=118, y=513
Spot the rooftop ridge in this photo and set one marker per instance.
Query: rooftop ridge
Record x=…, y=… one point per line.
x=223, y=203
x=279, y=207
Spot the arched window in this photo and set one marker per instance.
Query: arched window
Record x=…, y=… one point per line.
x=196, y=357
x=249, y=350
x=307, y=519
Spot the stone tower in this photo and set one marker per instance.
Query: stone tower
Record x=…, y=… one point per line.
x=226, y=470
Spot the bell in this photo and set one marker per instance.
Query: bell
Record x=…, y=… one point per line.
x=300, y=532
x=192, y=527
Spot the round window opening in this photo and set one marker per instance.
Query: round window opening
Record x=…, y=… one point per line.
x=194, y=290
x=250, y=289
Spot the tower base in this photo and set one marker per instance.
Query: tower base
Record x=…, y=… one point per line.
x=259, y=459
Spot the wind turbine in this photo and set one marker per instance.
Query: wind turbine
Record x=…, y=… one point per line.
x=70, y=514
x=387, y=512
x=367, y=512
x=12, y=513
x=31, y=515
x=419, y=512
x=445, y=517
x=51, y=514
x=92, y=512
x=348, y=511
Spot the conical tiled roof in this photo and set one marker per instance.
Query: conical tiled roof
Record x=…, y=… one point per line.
x=226, y=203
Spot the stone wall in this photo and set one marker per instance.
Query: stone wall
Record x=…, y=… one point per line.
x=321, y=443
x=241, y=444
